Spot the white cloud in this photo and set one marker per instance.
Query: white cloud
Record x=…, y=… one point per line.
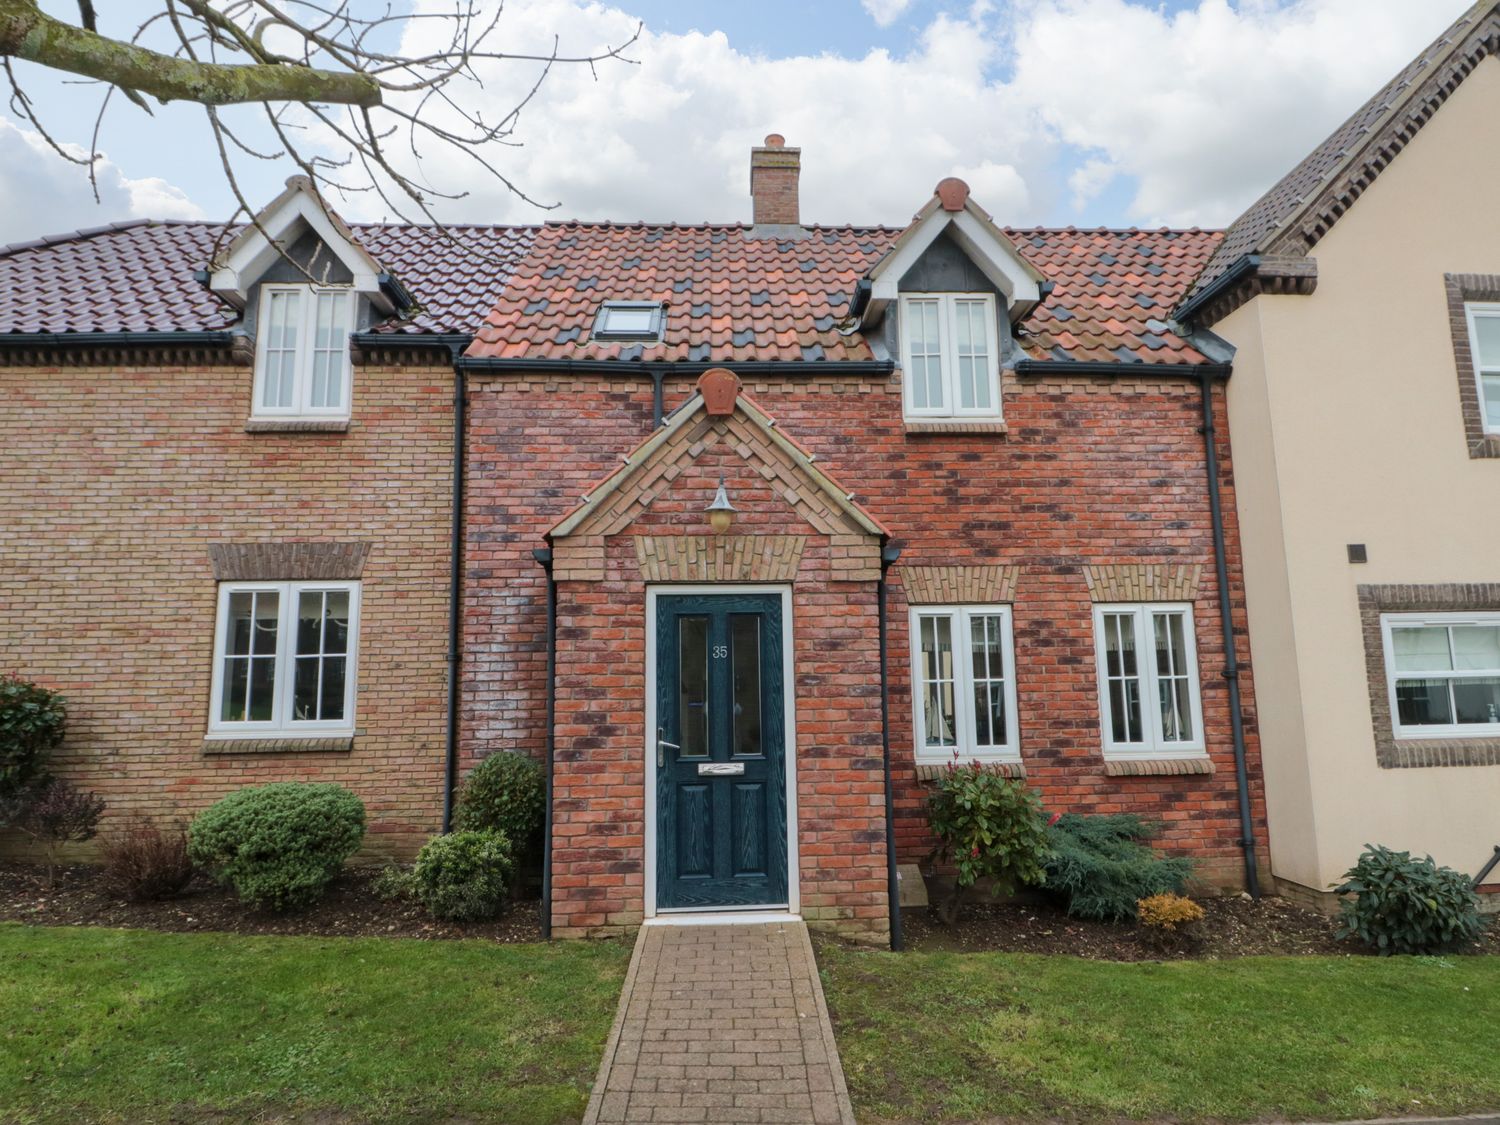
x=885, y=12
x=44, y=194
x=670, y=138
x=1206, y=108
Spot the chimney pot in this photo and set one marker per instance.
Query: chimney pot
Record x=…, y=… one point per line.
x=774, y=171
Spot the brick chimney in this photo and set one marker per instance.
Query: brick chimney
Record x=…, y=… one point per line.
x=774, y=169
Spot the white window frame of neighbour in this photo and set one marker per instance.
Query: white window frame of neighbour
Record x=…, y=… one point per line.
x=308, y=298
x=1484, y=367
x=1447, y=621
x=960, y=618
x=948, y=306
x=1153, y=743
x=283, y=724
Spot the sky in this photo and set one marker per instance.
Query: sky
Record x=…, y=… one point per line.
x=1056, y=112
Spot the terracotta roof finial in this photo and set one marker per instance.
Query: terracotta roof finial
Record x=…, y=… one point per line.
x=952, y=193
x=719, y=387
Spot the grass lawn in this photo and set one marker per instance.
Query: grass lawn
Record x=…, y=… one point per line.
x=944, y=1036
x=135, y=1026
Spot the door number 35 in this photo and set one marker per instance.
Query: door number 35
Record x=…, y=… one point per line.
x=720, y=652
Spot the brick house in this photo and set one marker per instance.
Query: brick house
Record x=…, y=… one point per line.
x=757, y=528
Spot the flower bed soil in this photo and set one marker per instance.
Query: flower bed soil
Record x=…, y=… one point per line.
x=350, y=909
x=1234, y=926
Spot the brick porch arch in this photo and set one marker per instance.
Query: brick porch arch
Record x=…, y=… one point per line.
x=644, y=526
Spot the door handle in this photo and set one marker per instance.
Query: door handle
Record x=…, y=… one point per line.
x=663, y=744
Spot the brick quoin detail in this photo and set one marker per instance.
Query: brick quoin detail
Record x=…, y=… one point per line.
x=111, y=594
x=1093, y=473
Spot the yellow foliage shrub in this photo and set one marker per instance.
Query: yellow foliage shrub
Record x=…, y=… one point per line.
x=1168, y=912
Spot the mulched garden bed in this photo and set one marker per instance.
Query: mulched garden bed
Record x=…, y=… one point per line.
x=350, y=909
x=1234, y=926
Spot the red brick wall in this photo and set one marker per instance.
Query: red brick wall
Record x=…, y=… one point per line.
x=1091, y=472
x=115, y=479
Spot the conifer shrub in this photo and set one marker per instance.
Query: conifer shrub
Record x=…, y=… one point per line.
x=464, y=876
x=1101, y=866
x=278, y=845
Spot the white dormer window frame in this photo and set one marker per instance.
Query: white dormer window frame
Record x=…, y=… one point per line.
x=302, y=368
x=944, y=372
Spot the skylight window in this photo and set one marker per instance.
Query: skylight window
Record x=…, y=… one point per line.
x=629, y=320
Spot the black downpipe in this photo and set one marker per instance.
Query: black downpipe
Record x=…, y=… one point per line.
x=658, y=405
x=888, y=556
x=455, y=587
x=543, y=557
x=1226, y=623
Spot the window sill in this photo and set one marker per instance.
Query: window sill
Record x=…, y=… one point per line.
x=1158, y=767
x=955, y=426
x=1426, y=753
x=296, y=425
x=337, y=744
x=931, y=771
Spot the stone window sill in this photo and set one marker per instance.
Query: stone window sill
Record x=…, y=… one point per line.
x=931, y=771
x=1158, y=767
x=954, y=426
x=296, y=425
x=214, y=747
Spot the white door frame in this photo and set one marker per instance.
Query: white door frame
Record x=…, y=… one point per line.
x=789, y=702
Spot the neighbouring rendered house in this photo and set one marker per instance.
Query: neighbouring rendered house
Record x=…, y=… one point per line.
x=1362, y=296
x=746, y=531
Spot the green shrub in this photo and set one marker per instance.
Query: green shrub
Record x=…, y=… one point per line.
x=1101, y=867
x=505, y=793
x=392, y=884
x=464, y=876
x=1396, y=904
x=31, y=724
x=989, y=826
x=280, y=845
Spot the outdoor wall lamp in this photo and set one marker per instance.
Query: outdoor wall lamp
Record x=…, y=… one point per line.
x=721, y=511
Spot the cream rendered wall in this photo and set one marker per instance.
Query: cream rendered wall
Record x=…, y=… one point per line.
x=1346, y=428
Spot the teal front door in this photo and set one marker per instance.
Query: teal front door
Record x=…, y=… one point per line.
x=721, y=799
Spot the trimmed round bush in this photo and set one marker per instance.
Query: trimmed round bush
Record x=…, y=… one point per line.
x=279, y=845
x=506, y=793
x=31, y=724
x=464, y=876
x=1395, y=903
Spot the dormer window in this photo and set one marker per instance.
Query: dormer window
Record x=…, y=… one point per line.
x=302, y=352
x=950, y=355
x=637, y=321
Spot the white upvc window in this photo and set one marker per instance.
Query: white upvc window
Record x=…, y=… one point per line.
x=1443, y=674
x=302, y=352
x=950, y=354
x=1148, y=680
x=284, y=659
x=1484, y=344
x=964, y=683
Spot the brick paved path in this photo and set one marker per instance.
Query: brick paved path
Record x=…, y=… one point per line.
x=722, y=1023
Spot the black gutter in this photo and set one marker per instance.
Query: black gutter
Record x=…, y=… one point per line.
x=543, y=557
x=1231, y=671
x=116, y=339
x=625, y=367
x=455, y=587
x=452, y=342
x=1092, y=367
x=888, y=556
x=1218, y=286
